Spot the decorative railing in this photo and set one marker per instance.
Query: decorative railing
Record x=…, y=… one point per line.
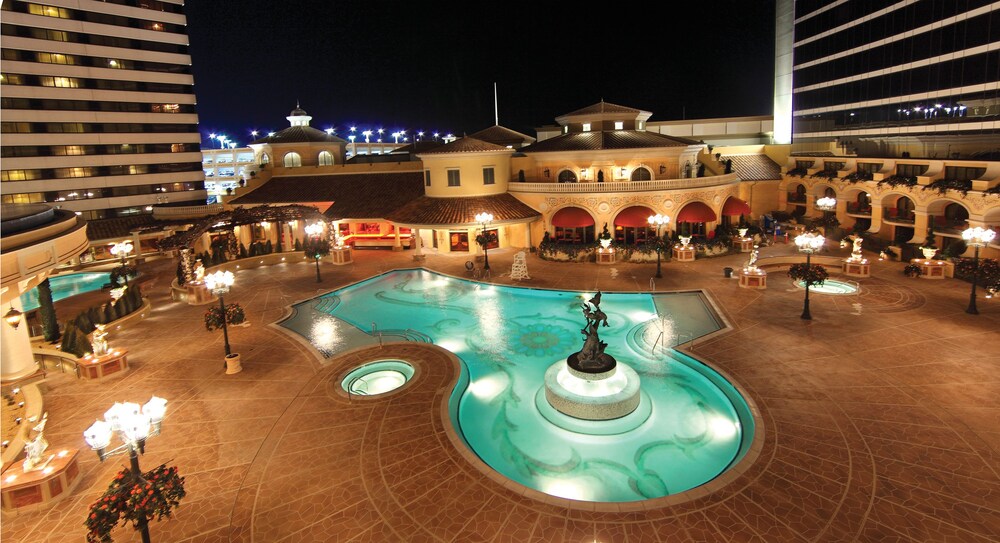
x=626, y=186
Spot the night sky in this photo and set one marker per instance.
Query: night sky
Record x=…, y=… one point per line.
x=431, y=65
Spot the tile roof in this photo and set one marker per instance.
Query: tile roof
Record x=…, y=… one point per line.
x=466, y=144
x=418, y=147
x=754, y=167
x=609, y=139
x=603, y=107
x=427, y=211
x=354, y=196
x=299, y=134
x=118, y=227
x=502, y=135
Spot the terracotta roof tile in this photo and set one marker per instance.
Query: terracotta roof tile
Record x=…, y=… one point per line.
x=754, y=167
x=603, y=107
x=501, y=135
x=299, y=134
x=354, y=196
x=119, y=227
x=610, y=139
x=427, y=211
x=466, y=145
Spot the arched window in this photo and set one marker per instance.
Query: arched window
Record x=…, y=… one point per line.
x=264, y=159
x=573, y=225
x=567, y=176
x=955, y=215
x=904, y=209
x=632, y=225
x=292, y=160
x=641, y=174
x=325, y=158
x=830, y=193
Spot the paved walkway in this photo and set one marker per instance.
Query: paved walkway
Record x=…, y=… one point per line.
x=880, y=421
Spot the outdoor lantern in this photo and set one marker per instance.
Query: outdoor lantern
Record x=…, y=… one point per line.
x=13, y=317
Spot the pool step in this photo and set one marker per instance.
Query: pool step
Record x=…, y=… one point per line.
x=406, y=335
x=327, y=304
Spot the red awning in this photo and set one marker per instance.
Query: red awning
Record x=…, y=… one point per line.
x=735, y=206
x=696, y=212
x=572, y=217
x=634, y=216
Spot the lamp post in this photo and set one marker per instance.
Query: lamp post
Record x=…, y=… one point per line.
x=826, y=204
x=313, y=231
x=977, y=237
x=658, y=221
x=219, y=283
x=133, y=425
x=808, y=243
x=122, y=250
x=485, y=219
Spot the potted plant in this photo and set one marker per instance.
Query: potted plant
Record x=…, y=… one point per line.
x=813, y=274
x=928, y=248
x=911, y=270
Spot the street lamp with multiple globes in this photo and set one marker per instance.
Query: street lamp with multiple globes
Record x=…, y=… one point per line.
x=219, y=283
x=977, y=237
x=485, y=219
x=133, y=425
x=122, y=250
x=314, y=231
x=808, y=243
x=658, y=221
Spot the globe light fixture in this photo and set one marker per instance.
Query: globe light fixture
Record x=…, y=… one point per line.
x=976, y=237
x=808, y=243
x=314, y=231
x=826, y=203
x=219, y=283
x=13, y=317
x=485, y=219
x=658, y=222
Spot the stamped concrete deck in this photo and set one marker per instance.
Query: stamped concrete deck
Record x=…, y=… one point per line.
x=880, y=421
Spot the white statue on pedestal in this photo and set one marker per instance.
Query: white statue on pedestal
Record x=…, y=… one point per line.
x=99, y=342
x=33, y=448
x=199, y=271
x=751, y=264
x=856, y=252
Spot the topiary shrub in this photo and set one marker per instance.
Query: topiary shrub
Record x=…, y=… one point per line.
x=814, y=274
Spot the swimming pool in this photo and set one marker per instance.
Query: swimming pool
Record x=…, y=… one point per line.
x=698, y=425
x=64, y=286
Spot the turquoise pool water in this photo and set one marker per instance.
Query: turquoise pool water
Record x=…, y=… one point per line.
x=64, y=286
x=507, y=337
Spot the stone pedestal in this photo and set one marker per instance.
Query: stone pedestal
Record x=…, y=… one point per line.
x=934, y=269
x=746, y=245
x=34, y=489
x=857, y=268
x=606, y=256
x=98, y=367
x=755, y=278
x=198, y=293
x=684, y=254
x=340, y=256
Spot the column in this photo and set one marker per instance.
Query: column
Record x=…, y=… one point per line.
x=418, y=249
x=472, y=242
x=527, y=235
x=876, y=217
x=16, y=360
x=921, y=220
x=137, y=244
x=396, y=244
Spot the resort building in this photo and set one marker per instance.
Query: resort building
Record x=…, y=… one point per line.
x=99, y=107
x=884, y=78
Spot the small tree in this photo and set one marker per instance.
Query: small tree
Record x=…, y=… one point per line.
x=47, y=308
x=135, y=498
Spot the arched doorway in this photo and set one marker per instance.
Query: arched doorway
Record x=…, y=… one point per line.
x=734, y=207
x=567, y=176
x=573, y=225
x=641, y=174
x=694, y=217
x=632, y=225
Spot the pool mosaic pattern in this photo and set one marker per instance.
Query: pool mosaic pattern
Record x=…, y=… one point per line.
x=880, y=424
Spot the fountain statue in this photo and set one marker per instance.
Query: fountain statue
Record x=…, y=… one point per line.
x=856, y=252
x=751, y=264
x=590, y=384
x=199, y=271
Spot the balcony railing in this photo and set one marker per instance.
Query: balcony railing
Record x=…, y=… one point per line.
x=855, y=208
x=625, y=186
x=892, y=214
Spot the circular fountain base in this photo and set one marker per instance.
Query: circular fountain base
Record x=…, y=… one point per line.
x=592, y=396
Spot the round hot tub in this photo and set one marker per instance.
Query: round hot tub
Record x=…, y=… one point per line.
x=831, y=286
x=377, y=377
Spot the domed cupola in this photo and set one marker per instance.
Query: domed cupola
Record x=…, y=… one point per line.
x=298, y=116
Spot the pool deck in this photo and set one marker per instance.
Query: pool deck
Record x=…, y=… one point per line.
x=880, y=420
